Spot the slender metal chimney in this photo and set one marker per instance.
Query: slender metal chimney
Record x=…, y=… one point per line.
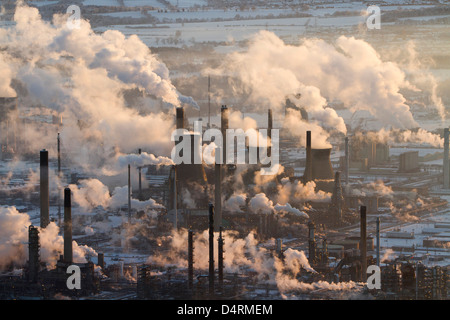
x=175, y=198
x=363, y=244
x=220, y=262
x=44, y=189
x=279, y=243
x=309, y=165
x=378, y=241
x=129, y=194
x=101, y=260
x=269, y=131
x=59, y=176
x=209, y=102
x=312, y=243
x=347, y=161
x=190, y=259
x=180, y=118
x=211, y=248
x=446, y=160
x=224, y=114
x=218, y=191
x=68, y=255
x=33, y=253
x=337, y=199
x=140, y=179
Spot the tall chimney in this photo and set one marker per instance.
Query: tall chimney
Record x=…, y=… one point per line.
x=308, y=168
x=211, y=248
x=347, y=161
x=129, y=194
x=224, y=114
x=378, y=241
x=101, y=260
x=269, y=131
x=209, y=102
x=220, y=262
x=44, y=189
x=59, y=175
x=337, y=199
x=446, y=163
x=312, y=243
x=33, y=253
x=140, y=179
x=218, y=191
x=180, y=118
x=68, y=256
x=175, y=198
x=363, y=244
x=190, y=259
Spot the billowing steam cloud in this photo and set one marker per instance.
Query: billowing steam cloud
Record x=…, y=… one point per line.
x=83, y=76
x=246, y=254
x=349, y=70
x=92, y=193
x=14, y=238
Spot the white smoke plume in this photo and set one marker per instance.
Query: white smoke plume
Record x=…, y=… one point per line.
x=287, y=208
x=300, y=193
x=246, y=254
x=91, y=193
x=348, y=70
x=14, y=241
x=82, y=75
x=261, y=204
x=235, y=202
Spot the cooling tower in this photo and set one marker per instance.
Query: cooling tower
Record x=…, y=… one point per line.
x=319, y=164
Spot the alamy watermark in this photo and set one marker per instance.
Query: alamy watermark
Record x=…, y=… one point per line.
x=234, y=148
x=374, y=19
x=374, y=280
x=74, y=20
x=73, y=281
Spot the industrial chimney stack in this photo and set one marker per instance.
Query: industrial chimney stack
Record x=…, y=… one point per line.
x=218, y=191
x=44, y=189
x=446, y=163
x=211, y=248
x=347, y=162
x=269, y=131
x=224, y=115
x=68, y=255
x=190, y=259
x=363, y=244
x=220, y=262
x=308, y=167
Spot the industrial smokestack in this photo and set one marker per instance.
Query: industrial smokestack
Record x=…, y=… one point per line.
x=309, y=168
x=218, y=191
x=180, y=118
x=446, y=163
x=279, y=244
x=33, y=253
x=140, y=179
x=224, y=115
x=378, y=241
x=220, y=262
x=312, y=243
x=269, y=131
x=44, y=189
x=59, y=175
x=101, y=260
x=68, y=255
x=363, y=244
x=347, y=161
x=190, y=259
x=129, y=194
x=337, y=199
x=211, y=248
